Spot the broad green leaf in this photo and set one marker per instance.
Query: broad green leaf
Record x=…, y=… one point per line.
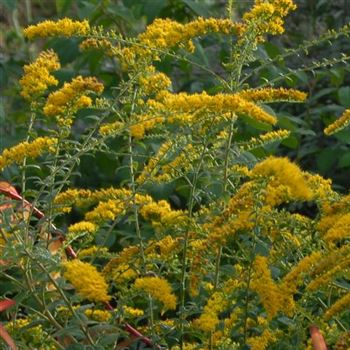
x=344, y=96
x=344, y=160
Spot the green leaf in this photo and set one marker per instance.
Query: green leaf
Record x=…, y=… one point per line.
x=62, y=6
x=344, y=160
x=291, y=142
x=198, y=8
x=344, y=96
x=326, y=159
x=272, y=50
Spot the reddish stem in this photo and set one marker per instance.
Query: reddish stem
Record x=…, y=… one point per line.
x=5, y=304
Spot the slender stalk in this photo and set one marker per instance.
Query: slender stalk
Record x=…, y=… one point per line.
x=186, y=242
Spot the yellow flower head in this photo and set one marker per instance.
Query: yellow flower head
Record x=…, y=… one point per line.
x=63, y=27
x=37, y=77
x=159, y=289
x=88, y=282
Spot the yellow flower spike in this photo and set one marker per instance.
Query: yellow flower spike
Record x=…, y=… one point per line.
x=159, y=289
x=154, y=83
x=88, y=282
x=340, y=230
x=339, y=124
x=262, y=341
x=98, y=315
x=267, y=95
x=265, y=139
x=295, y=276
x=63, y=27
x=132, y=312
x=273, y=298
x=209, y=319
x=339, y=306
x=165, y=33
x=37, y=77
x=219, y=103
x=34, y=149
x=111, y=129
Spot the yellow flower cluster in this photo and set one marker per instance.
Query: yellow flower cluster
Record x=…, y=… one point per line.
x=18, y=153
x=154, y=83
x=93, y=251
x=82, y=226
x=83, y=230
x=165, y=33
x=209, y=319
x=98, y=315
x=161, y=215
x=330, y=273
x=99, y=44
x=105, y=211
x=166, y=247
x=272, y=297
x=30, y=333
x=72, y=96
x=63, y=27
x=339, y=306
x=143, y=123
x=297, y=274
x=282, y=172
x=37, y=77
x=159, y=289
x=83, y=198
x=88, y=282
x=132, y=312
x=339, y=124
x=150, y=169
x=262, y=341
x=111, y=129
x=266, y=17
x=265, y=139
x=219, y=103
x=267, y=95
x=340, y=230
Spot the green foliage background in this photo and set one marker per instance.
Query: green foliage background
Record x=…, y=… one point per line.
x=328, y=87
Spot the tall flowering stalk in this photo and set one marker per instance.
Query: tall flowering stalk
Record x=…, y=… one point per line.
x=223, y=261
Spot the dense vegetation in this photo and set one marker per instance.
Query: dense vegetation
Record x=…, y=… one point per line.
x=175, y=174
